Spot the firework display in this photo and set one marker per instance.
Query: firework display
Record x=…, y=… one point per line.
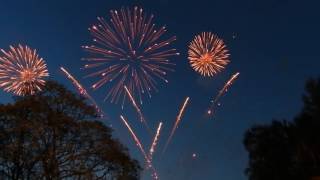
x=130, y=56
x=222, y=91
x=22, y=71
x=129, y=50
x=208, y=54
x=176, y=123
x=83, y=91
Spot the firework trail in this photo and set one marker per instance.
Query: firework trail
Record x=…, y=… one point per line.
x=176, y=123
x=139, y=145
x=155, y=141
x=83, y=91
x=208, y=54
x=129, y=51
x=22, y=71
x=135, y=105
x=135, y=138
x=222, y=91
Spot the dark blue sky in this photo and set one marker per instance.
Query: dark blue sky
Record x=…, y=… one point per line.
x=276, y=49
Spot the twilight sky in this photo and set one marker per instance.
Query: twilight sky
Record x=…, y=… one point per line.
x=275, y=49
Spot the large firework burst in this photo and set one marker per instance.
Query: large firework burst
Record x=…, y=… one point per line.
x=22, y=71
x=208, y=54
x=130, y=51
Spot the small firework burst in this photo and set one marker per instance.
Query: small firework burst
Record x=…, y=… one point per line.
x=208, y=54
x=129, y=51
x=22, y=71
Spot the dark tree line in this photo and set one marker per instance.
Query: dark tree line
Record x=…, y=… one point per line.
x=53, y=135
x=288, y=149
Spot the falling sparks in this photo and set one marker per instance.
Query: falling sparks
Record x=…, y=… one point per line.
x=176, y=123
x=135, y=105
x=130, y=51
x=83, y=91
x=208, y=54
x=155, y=141
x=22, y=71
x=139, y=145
x=222, y=91
x=135, y=138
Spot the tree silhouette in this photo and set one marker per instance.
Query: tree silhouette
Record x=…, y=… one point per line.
x=287, y=149
x=53, y=135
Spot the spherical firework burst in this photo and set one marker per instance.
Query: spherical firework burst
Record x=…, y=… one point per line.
x=130, y=51
x=22, y=71
x=208, y=54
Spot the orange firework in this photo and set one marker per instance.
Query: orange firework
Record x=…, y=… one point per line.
x=176, y=123
x=129, y=51
x=208, y=54
x=22, y=71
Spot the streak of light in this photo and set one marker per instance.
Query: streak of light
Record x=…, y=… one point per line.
x=135, y=105
x=82, y=91
x=176, y=123
x=140, y=147
x=155, y=141
x=221, y=92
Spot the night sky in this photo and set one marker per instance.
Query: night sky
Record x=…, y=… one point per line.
x=276, y=48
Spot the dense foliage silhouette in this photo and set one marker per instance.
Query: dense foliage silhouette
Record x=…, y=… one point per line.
x=287, y=149
x=54, y=135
